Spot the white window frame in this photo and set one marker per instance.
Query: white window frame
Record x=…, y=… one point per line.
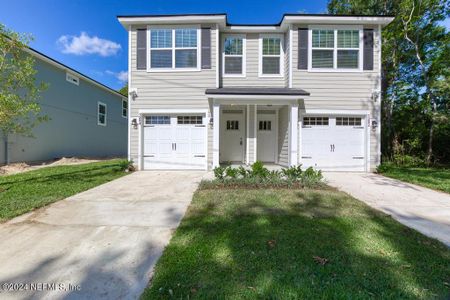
x=126, y=113
x=98, y=113
x=260, y=55
x=244, y=57
x=72, y=79
x=173, y=48
x=335, y=29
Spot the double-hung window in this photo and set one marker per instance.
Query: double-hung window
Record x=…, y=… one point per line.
x=101, y=113
x=174, y=49
x=234, y=55
x=335, y=49
x=271, y=55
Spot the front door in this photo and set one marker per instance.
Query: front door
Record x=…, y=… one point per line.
x=232, y=136
x=267, y=136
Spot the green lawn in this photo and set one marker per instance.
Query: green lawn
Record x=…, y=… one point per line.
x=296, y=244
x=433, y=178
x=21, y=193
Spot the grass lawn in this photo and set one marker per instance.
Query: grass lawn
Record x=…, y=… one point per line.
x=433, y=178
x=21, y=193
x=296, y=244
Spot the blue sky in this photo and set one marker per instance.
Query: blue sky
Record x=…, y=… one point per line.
x=85, y=34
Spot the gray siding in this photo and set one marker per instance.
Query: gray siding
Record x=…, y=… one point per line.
x=72, y=129
x=283, y=136
x=251, y=134
x=287, y=44
x=341, y=90
x=252, y=67
x=178, y=89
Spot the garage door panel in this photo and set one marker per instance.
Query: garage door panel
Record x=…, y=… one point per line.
x=332, y=147
x=175, y=145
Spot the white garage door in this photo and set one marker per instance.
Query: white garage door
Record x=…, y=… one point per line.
x=174, y=142
x=333, y=143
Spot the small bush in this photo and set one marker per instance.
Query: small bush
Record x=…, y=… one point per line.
x=219, y=173
x=259, y=176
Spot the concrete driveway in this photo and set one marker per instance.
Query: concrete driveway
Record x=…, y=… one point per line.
x=102, y=243
x=420, y=208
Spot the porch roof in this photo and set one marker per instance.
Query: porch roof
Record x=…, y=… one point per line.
x=257, y=91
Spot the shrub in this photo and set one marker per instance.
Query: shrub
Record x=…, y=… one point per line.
x=311, y=177
x=258, y=170
x=231, y=172
x=219, y=173
x=292, y=173
x=260, y=176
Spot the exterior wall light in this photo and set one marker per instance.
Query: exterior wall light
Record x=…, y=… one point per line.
x=374, y=124
x=134, y=123
x=133, y=94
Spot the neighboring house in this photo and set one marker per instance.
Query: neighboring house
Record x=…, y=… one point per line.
x=87, y=119
x=303, y=91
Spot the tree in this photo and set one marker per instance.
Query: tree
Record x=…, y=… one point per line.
x=415, y=73
x=124, y=90
x=19, y=109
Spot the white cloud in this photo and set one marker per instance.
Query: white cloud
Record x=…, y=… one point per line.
x=84, y=44
x=122, y=76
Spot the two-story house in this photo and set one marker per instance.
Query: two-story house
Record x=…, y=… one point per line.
x=303, y=91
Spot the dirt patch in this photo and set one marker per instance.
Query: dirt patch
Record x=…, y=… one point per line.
x=24, y=167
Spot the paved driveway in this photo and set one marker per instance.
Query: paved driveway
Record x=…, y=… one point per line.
x=420, y=208
x=105, y=240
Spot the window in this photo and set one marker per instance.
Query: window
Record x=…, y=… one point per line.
x=271, y=62
x=348, y=121
x=233, y=55
x=265, y=125
x=232, y=125
x=72, y=79
x=315, y=121
x=157, y=120
x=124, y=108
x=101, y=114
x=335, y=49
x=190, y=120
x=174, y=48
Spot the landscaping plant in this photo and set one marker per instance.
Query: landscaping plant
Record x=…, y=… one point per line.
x=259, y=176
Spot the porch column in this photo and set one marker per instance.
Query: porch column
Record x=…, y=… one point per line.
x=293, y=138
x=216, y=134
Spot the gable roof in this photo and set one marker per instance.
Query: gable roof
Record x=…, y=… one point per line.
x=66, y=68
x=222, y=19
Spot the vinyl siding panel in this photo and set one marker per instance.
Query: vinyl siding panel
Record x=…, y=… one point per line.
x=283, y=136
x=72, y=128
x=286, y=59
x=252, y=67
x=341, y=90
x=251, y=134
x=177, y=89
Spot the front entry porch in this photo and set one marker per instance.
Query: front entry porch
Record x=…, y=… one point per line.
x=252, y=132
x=251, y=124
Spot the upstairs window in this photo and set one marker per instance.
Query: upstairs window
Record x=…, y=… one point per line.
x=124, y=108
x=336, y=49
x=271, y=62
x=101, y=114
x=174, y=48
x=233, y=56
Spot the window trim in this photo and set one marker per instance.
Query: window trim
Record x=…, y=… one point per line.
x=335, y=29
x=260, y=54
x=126, y=114
x=173, y=48
x=98, y=113
x=244, y=56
